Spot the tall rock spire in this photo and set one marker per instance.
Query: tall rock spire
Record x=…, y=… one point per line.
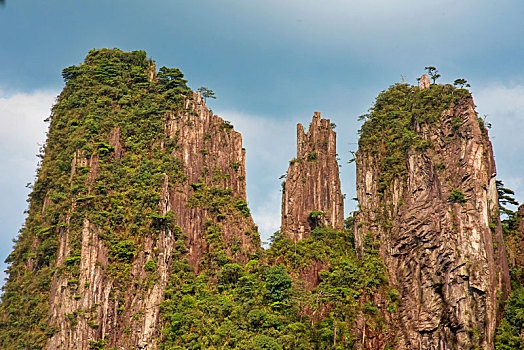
x=311, y=194
x=139, y=180
x=428, y=202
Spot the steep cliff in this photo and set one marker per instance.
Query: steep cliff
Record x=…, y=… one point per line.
x=138, y=177
x=428, y=199
x=311, y=194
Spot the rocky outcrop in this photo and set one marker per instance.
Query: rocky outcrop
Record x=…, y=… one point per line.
x=311, y=194
x=214, y=164
x=99, y=308
x=424, y=83
x=437, y=229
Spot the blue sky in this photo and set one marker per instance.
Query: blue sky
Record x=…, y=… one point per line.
x=271, y=64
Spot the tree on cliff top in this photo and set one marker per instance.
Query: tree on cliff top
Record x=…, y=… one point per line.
x=433, y=73
x=206, y=93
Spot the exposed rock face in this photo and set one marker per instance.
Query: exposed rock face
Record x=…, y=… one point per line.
x=439, y=233
x=212, y=154
x=424, y=82
x=312, y=183
x=93, y=307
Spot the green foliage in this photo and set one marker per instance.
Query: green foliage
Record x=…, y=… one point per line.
x=460, y=83
x=317, y=215
x=234, y=165
x=150, y=266
x=171, y=79
x=206, y=93
x=506, y=196
x=509, y=332
x=120, y=195
x=263, y=305
x=457, y=196
x=278, y=283
x=389, y=131
x=433, y=73
x=312, y=156
x=265, y=342
x=241, y=206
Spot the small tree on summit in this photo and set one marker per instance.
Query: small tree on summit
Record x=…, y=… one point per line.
x=433, y=73
x=461, y=82
x=206, y=93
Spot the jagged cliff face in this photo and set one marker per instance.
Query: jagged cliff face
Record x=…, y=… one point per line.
x=311, y=194
x=215, y=187
x=137, y=175
x=427, y=195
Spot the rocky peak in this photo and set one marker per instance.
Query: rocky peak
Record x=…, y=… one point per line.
x=133, y=187
x=208, y=193
x=432, y=210
x=311, y=194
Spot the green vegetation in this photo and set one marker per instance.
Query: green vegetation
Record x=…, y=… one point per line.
x=312, y=156
x=509, y=332
x=389, y=131
x=460, y=83
x=433, y=73
x=264, y=305
x=206, y=93
x=457, y=196
x=117, y=193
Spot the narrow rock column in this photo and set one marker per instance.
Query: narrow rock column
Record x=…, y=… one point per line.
x=311, y=194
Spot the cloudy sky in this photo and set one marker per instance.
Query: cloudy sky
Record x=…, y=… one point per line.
x=271, y=63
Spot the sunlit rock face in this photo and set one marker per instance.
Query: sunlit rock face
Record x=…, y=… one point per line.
x=311, y=194
x=437, y=228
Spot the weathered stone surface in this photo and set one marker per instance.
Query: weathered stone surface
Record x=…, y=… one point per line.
x=312, y=182
x=447, y=259
x=424, y=82
x=212, y=155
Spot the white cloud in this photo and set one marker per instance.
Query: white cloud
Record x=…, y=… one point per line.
x=23, y=129
x=22, y=118
x=504, y=106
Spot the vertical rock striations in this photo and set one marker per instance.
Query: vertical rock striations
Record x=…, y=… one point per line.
x=311, y=194
x=214, y=193
x=138, y=179
x=427, y=195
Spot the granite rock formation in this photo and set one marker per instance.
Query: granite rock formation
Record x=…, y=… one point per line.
x=311, y=194
x=212, y=160
x=138, y=179
x=436, y=225
x=424, y=82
